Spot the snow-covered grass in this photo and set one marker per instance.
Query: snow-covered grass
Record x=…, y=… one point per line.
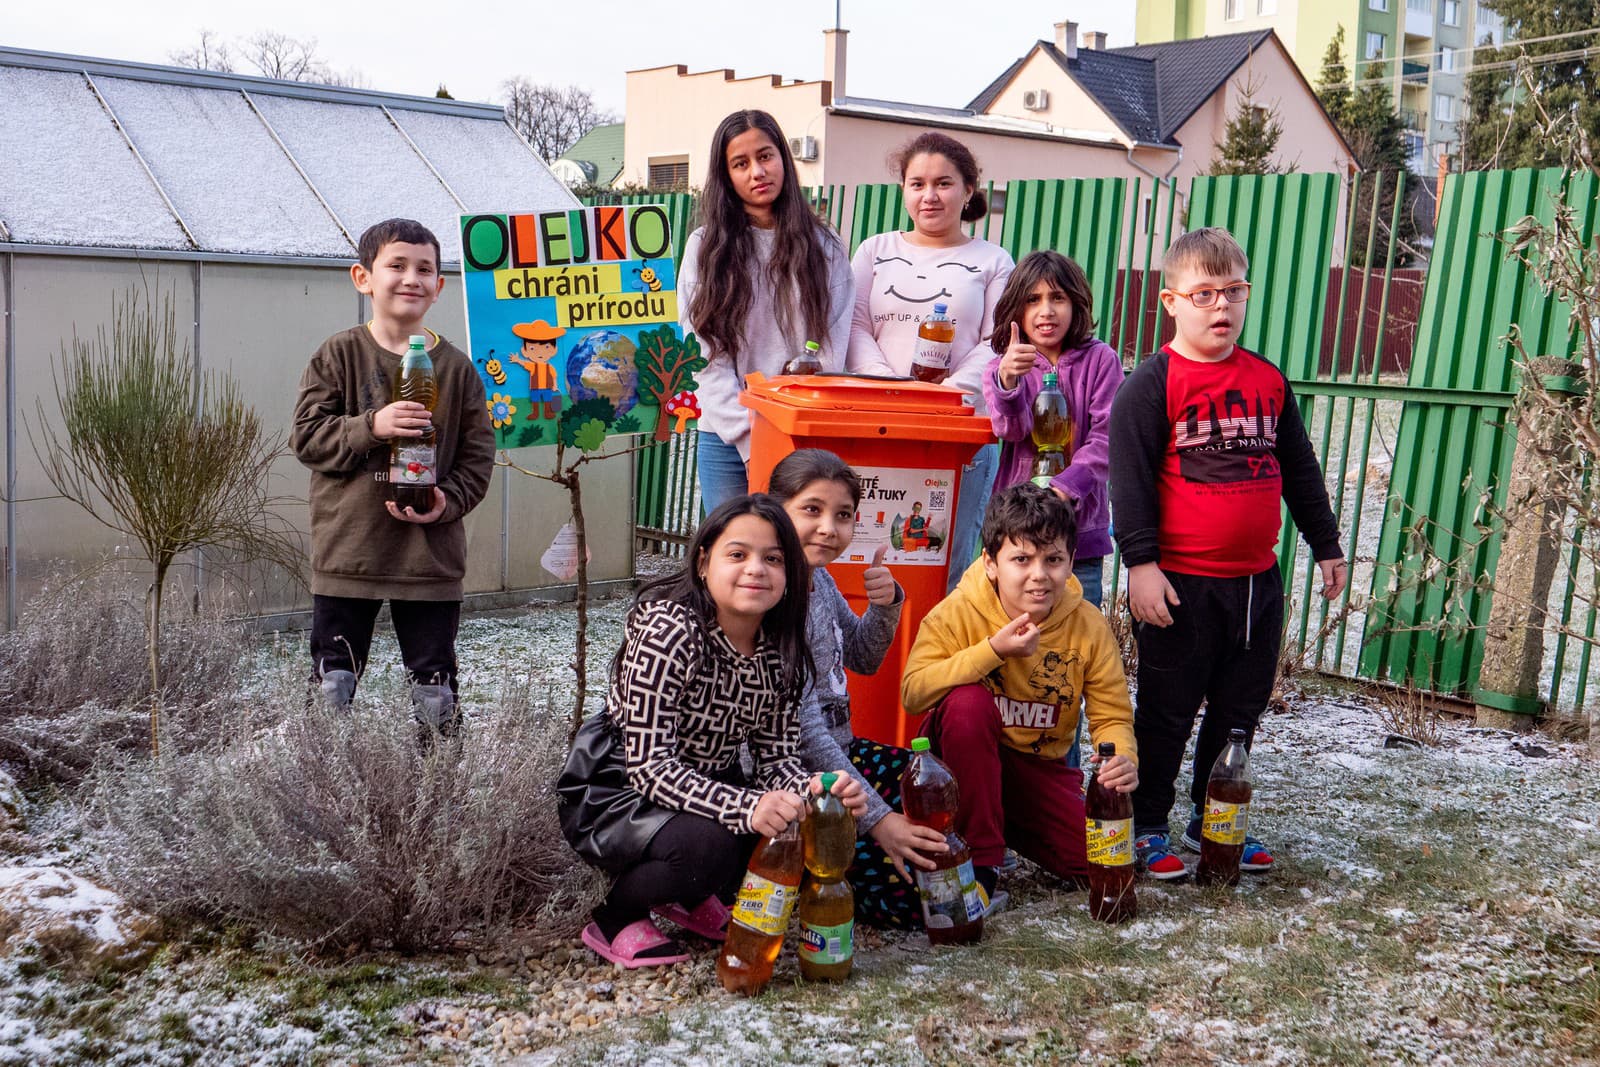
x=1429, y=906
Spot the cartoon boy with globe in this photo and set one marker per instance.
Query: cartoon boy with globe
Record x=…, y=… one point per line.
x=538, y=349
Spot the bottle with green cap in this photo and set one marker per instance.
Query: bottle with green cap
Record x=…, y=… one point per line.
x=952, y=902
x=808, y=361
x=413, y=469
x=1052, y=431
x=827, y=904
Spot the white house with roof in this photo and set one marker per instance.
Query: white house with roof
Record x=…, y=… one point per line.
x=1070, y=106
x=243, y=198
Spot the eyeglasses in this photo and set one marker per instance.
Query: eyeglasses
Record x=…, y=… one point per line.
x=1237, y=293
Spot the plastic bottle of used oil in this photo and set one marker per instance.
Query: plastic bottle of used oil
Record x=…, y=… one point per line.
x=807, y=361
x=413, y=461
x=1052, y=430
x=761, y=913
x=827, y=904
x=952, y=907
x=930, y=360
x=1226, y=815
x=1108, y=816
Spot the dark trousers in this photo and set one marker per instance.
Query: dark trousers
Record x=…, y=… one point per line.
x=1221, y=649
x=1013, y=798
x=883, y=898
x=689, y=859
x=341, y=636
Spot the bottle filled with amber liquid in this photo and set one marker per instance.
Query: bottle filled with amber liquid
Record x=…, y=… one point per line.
x=1226, y=816
x=807, y=361
x=1052, y=431
x=930, y=360
x=413, y=461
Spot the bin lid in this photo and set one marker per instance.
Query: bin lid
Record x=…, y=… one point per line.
x=830, y=404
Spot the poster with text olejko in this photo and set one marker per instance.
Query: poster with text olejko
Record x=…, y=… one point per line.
x=909, y=510
x=572, y=321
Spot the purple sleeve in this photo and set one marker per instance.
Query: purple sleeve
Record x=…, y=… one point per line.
x=1091, y=461
x=1010, y=410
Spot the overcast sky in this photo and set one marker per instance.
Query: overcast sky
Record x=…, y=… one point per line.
x=925, y=51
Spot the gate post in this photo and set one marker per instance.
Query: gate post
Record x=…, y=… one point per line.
x=1510, y=681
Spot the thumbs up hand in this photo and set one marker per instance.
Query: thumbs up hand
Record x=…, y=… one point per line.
x=877, y=581
x=1017, y=361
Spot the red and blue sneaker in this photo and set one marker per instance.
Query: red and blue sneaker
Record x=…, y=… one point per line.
x=1155, y=857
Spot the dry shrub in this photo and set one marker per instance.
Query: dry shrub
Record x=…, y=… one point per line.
x=1410, y=712
x=77, y=674
x=340, y=830
x=1121, y=621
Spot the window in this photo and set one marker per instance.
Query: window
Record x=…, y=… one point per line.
x=1424, y=6
x=1448, y=57
x=1444, y=107
x=1376, y=43
x=1266, y=7
x=1451, y=15
x=669, y=173
x=1232, y=10
x=1378, y=5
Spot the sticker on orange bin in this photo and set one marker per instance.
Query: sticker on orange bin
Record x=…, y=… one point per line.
x=909, y=510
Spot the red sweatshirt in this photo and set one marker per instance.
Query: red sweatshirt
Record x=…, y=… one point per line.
x=1201, y=455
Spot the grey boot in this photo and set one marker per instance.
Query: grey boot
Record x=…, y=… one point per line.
x=434, y=706
x=338, y=687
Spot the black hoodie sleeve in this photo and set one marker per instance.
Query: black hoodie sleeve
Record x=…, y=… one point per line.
x=1139, y=434
x=1303, y=488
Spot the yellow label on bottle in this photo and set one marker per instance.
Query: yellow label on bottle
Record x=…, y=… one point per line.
x=1225, y=823
x=764, y=905
x=1110, y=842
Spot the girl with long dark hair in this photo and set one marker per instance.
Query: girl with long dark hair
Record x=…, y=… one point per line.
x=899, y=277
x=713, y=658
x=760, y=277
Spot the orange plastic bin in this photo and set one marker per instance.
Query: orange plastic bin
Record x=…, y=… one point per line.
x=908, y=441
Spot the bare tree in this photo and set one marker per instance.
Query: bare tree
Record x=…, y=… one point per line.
x=174, y=459
x=270, y=54
x=552, y=117
x=211, y=52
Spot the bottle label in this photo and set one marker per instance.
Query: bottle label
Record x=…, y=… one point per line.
x=1224, y=823
x=949, y=897
x=935, y=354
x=827, y=944
x=764, y=905
x=1110, y=842
x=413, y=465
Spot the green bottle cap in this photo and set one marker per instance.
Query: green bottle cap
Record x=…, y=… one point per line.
x=1051, y=378
x=920, y=744
x=812, y=346
x=828, y=778
x=419, y=341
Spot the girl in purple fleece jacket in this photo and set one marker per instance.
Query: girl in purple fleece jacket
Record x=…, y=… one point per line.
x=1044, y=322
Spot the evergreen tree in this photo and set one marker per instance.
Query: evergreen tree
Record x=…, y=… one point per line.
x=1333, y=86
x=443, y=93
x=1251, y=137
x=1373, y=130
x=1500, y=128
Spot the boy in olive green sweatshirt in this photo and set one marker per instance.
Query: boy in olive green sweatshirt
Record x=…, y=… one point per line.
x=1004, y=661
x=363, y=549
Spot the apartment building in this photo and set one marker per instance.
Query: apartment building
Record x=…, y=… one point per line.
x=1422, y=48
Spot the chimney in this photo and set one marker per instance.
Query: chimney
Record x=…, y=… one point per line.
x=1094, y=40
x=833, y=47
x=1067, y=39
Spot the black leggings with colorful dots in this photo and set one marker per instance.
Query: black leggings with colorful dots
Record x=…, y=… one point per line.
x=883, y=898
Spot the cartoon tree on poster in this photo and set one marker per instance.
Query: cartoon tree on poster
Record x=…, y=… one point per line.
x=666, y=371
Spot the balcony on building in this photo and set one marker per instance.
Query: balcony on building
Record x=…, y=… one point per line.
x=1413, y=72
x=1419, y=18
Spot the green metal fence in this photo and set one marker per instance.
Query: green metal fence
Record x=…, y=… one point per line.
x=1418, y=456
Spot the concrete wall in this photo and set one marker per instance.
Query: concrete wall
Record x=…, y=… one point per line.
x=260, y=323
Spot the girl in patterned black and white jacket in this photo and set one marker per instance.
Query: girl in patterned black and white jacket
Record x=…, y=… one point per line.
x=713, y=657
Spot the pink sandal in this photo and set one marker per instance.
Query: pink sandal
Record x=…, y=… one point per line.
x=709, y=919
x=633, y=939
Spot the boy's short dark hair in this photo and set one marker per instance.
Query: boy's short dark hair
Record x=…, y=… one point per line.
x=406, y=231
x=1211, y=250
x=1031, y=514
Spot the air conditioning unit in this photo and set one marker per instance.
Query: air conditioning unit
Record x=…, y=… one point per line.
x=1036, y=99
x=803, y=148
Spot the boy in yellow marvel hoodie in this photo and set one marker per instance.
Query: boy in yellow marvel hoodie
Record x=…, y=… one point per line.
x=1004, y=661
